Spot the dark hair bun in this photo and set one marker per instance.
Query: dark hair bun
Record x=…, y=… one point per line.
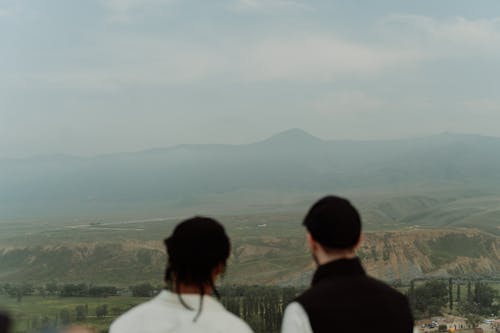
x=195, y=248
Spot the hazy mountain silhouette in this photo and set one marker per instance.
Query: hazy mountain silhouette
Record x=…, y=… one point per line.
x=291, y=160
x=292, y=137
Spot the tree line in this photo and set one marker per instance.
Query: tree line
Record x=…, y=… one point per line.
x=263, y=306
x=470, y=299
x=79, y=313
x=52, y=289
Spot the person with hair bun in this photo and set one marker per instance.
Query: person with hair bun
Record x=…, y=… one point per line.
x=197, y=252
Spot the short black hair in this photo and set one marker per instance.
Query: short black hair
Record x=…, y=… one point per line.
x=334, y=223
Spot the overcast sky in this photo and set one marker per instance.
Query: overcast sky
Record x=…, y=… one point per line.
x=98, y=76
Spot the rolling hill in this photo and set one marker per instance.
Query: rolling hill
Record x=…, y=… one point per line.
x=265, y=259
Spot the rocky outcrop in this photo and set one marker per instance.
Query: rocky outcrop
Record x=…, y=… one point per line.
x=404, y=255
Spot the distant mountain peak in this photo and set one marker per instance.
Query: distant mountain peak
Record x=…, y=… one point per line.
x=293, y=136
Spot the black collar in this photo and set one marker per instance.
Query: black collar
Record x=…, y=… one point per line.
x=338, y=268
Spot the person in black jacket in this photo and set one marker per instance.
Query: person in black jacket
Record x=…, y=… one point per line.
x=343, y=298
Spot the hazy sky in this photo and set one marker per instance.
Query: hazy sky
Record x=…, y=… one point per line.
x=98, y=76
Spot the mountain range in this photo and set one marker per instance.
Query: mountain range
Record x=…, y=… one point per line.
x=289, y=161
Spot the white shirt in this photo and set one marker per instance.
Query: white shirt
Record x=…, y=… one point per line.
x=165, y=314
x=295, y=320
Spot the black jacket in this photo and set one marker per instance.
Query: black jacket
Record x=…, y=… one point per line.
x=343, y=299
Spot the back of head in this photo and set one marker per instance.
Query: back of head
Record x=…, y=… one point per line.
x=196, y=247
x=334, y=223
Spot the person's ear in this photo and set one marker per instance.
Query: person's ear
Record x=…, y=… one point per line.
x=313, y=245
x=360, y=241
x=218, y=270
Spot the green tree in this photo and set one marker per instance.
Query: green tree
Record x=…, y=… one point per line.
x=35, y=322
x=473, y=319
x=102, y=291
x=411, y=294
x=65, y=316
x=42, y=291
x=81, y=313
x=143, y=290
x=116, y=311
x=52, y=288
x=485, y=296
x=450, y=292
x=429, y=298
x=27, y=289
x=74, y=290
x=101, y=311
x=482, y=303
x=45, y=322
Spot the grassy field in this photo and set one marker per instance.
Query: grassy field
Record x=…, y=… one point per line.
x=381, y=209
x=35, y=309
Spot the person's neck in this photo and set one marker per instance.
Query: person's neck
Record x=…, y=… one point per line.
x=328, y=258
x=192, y=289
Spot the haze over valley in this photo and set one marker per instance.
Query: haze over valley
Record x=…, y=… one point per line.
x=121, y=118
x=292, y=163
x=430, y=207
